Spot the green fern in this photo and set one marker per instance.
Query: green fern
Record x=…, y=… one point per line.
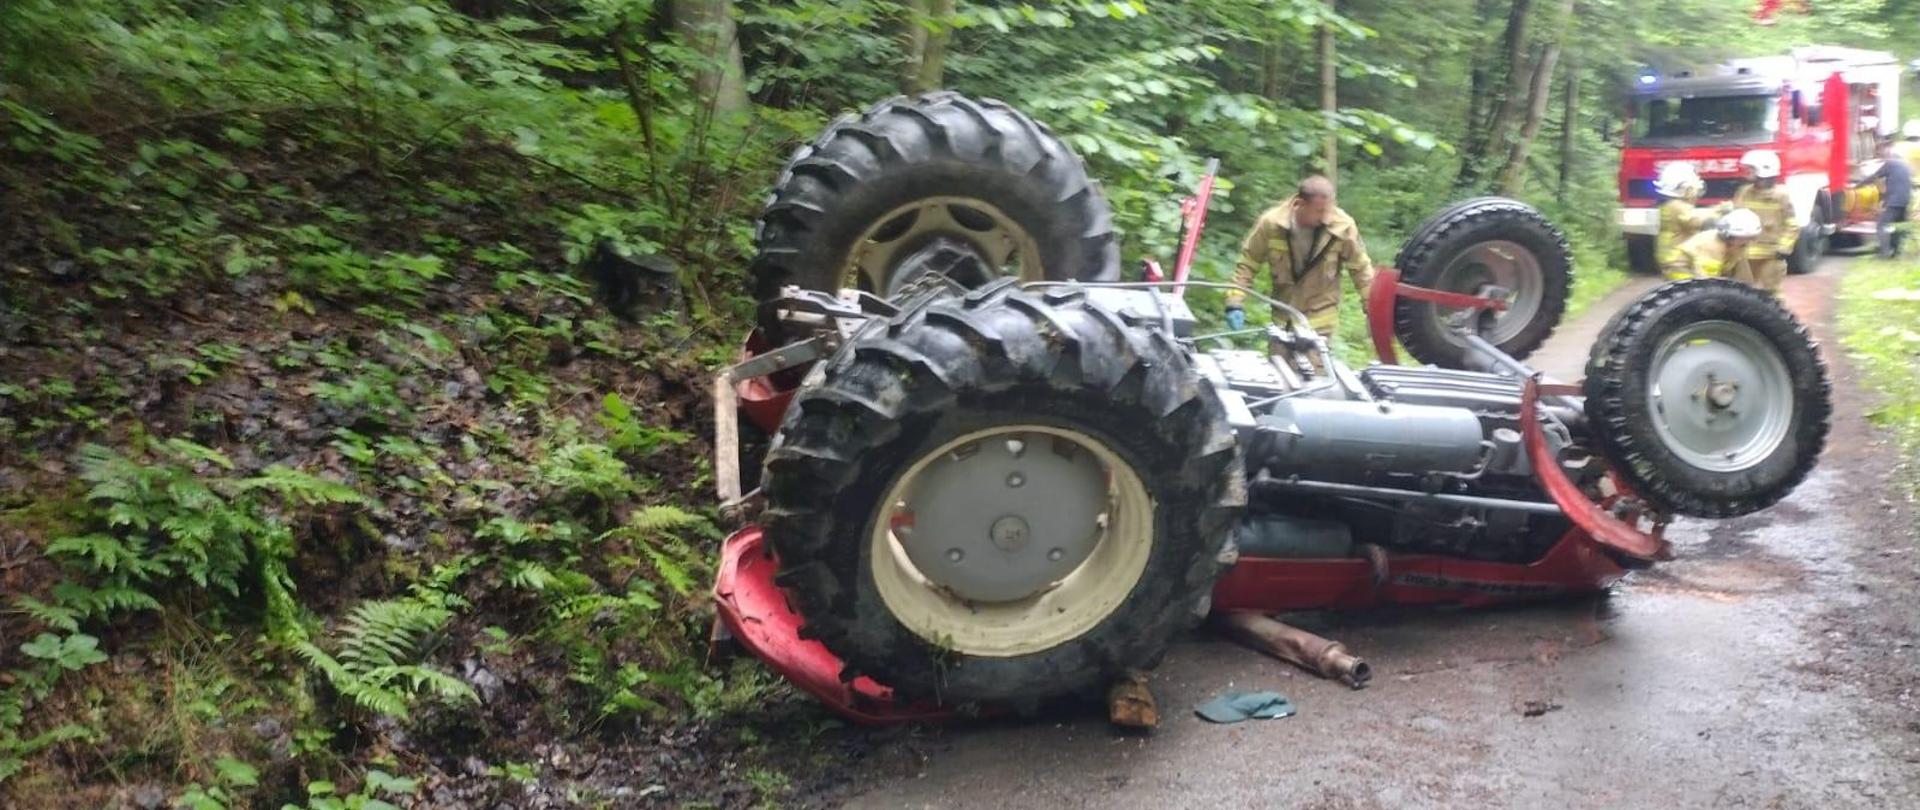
x=659, y=531
x=108, y=554
x=176, y=516
x=302, y=488
x=57, y=616
x=585, y=470
x=374, y=664
x=666, y=519
x=529, y=575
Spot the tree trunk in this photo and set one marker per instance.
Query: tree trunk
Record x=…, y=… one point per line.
x=1493, y=132
x=639, y=86
x=1270, y=72
x=925, y=44
x=1539, y=91
x=1569, y=124
x=933, y=64
x=1329, y=104
x=707, y=27
x=1480, y=98
x=1479, y=93
x=1514, y=44
x=913, y=42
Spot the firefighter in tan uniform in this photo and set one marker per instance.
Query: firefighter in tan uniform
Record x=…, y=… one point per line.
x=1680, y=185
x=1302, y=246
x=1764, y=196
x=1721, y=252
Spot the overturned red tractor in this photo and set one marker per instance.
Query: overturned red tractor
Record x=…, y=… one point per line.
x=998, y=475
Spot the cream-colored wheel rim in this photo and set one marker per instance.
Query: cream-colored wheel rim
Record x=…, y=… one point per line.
x=1011, y=540
x=999, y=240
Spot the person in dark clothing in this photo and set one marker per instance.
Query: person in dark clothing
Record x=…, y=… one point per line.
x=1894, y=205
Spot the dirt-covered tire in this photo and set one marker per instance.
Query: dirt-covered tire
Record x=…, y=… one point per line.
x=874, y=188
x=910, y=394
x=1708, y=397
x=1489, y=240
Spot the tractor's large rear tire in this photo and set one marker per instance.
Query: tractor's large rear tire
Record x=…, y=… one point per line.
x=1002, y=498
x=1484, y=241
x=1708, y=397
x=853, y=207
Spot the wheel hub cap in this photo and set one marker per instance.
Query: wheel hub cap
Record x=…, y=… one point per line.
x=1000, y=242
x=1011, y=540
x=1500, y=263
x=1004, y=518
x=1722, y=398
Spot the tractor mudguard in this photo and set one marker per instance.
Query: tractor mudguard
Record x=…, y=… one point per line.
x=757, y=615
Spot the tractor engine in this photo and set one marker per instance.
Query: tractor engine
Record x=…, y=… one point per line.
x=1420, y=459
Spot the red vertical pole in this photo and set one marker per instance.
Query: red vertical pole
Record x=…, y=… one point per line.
x=1838, y=118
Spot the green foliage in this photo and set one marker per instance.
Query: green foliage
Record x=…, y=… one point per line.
x=587, y=473
x=627, y=434
x=233, y=779
x=374, y=663
x=376, y=784
x=156, y=524
x=348, y=274
x=72, y=652
x=368, y=389
x=1880, y=306
x=622, y=230
x=14, y=750
x=162, y=520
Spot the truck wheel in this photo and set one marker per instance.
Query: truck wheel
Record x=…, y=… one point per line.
x=1708, y=397
x=1489, y=241
x=875, y=189
x=1003, y=498
x=1810, y=247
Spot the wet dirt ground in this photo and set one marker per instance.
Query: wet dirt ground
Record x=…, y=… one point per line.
x=1771, y=666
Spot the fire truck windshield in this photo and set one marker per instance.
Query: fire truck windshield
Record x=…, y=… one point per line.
x=1704, y=120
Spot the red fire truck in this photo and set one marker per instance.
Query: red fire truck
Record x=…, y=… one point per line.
x=1823, y=109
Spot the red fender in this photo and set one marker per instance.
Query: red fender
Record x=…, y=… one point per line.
x=758, y=616
x=1387, y=289
x=1595, y=521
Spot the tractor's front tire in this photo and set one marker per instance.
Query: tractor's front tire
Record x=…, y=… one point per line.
x=1002, y=498
x=1708, y=398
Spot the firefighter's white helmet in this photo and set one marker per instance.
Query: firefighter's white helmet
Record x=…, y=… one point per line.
x=1764, y=162
x=1740, y=223
x=1912, y=129
x=1679, y=181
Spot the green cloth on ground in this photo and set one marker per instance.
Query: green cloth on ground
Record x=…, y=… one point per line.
x=1234, y=707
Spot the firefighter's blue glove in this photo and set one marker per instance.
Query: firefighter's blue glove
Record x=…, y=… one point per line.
x=1236, y=318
